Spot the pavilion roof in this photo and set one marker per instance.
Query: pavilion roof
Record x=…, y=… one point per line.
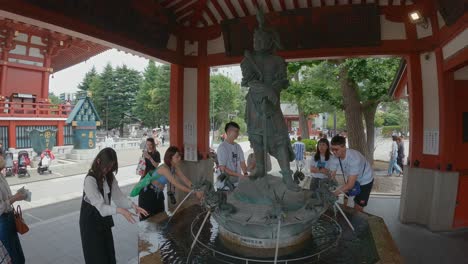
x=67, y=52
x=202, y=13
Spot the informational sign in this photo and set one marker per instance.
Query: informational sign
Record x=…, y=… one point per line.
x=431, y=142
x=42, y=139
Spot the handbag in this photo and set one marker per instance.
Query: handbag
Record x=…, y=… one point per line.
x=141, y=167
x=356, y=190
x=21, y=226
x=149, y=177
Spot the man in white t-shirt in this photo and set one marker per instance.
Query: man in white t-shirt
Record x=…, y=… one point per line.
x=231, y=156
x=354, y=167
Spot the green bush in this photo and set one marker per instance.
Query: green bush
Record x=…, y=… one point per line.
x=310, y=144
x=387, y=131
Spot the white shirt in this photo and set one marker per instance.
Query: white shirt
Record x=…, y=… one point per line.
x=102, y=204
x=230, y=156
x=5, y=195
x=328, y=164
x=356, y=164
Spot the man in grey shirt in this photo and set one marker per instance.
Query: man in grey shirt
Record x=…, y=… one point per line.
x=231, y=156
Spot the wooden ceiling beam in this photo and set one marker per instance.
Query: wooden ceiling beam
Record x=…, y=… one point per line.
x=211, y=15
x=244, y=7
x=296, y=4
x=270, y=6
x=198, y=12
x=186, y=17
x=232, y=8
x=165, y=3
x=219, y=9
x=185, y=9
x=283, y=5
x=180, y=4
x=255, y=4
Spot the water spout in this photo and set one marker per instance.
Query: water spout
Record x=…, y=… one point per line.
x=177, y=208
x=198, y=234
x=345, y=217
x=277, y=239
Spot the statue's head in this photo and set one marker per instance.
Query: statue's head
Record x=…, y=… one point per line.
x=265, y=39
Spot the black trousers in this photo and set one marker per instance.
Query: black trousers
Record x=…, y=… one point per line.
x=151, y=200
x=96, y=236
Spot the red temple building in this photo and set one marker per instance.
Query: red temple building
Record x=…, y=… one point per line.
x=29, y=55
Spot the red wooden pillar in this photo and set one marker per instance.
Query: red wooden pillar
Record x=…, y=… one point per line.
x=415, y=108
x=45, y=77
x=447, y=114
x=176, y=102
x=203, y=101
x=176, y=107
x=3, y=71
x=60, y=134
x=12, y=134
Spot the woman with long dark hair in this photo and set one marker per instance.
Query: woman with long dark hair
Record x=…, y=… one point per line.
x=321, y=166
x=151, y=155
x=167, y=173
x=100, y=187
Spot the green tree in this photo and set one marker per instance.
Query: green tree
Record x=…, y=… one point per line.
x=126, y=84
x=160, y=95
x=299, y=93
x=101, y=88
x=88, y=79
x=143, y=98
x=362, y=84
x=54, y=99
x=225, y=101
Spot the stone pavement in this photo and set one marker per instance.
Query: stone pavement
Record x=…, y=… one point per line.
x=65, y=167
x=54, y=235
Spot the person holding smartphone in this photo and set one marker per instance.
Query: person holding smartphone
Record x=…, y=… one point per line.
x=321, y=164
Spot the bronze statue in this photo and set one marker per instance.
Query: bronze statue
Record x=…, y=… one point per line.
x=266, y=75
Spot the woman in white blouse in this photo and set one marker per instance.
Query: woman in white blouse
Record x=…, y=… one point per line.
x=8, y=234
x=100, y=187
x=322, y=165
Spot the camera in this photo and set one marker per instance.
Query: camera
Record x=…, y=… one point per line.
x=321, y=165
x=172, y=198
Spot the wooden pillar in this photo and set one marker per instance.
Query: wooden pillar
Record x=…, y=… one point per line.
x=60, y=134
x=176, y=107
x=45, y=77
x=176, y=102
x=203, y=101
x=3, y=72
x=12, y=135
x=415, y=109
x=447, y=115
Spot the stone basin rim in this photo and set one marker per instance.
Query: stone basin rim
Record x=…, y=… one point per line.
x=247, y=260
